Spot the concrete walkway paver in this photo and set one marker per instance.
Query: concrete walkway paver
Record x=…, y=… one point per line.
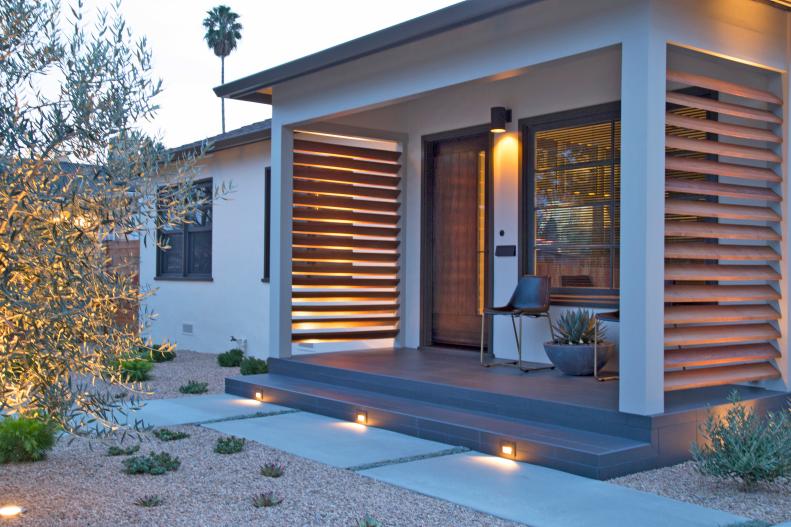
x=542, y=497
x=331, y=441
x=199, y=409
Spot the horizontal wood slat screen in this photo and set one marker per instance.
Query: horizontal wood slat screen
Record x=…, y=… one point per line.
x=345, y=258
x=721, y=222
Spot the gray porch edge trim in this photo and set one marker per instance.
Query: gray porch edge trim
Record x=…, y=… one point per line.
x=428, y=25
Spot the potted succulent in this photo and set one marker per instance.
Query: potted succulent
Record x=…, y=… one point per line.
x=571, y=351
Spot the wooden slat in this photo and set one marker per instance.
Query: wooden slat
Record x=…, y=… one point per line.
x=719, y=293
x=308, y=213
x=344, y=296
x=696, y=271
x=312, y=200
x=735, y=110
x=697, y=314
x=318, y=324
x=713, y=251
x=702, y=229
x=700, y=378
x=344, y=228
x=323, y=187
x=348, y=281
x=710, y=209
x=721, y=128
x=342, y=336
x=345, y=150
x=712, y=188
x=721, y=149
x=732, y=88
x=341, y=268
x=719, y=355
x=715, y=168
x=720, y=334
x=346, y=163
x=333, y=310
x=334, y=242
x=339, y=255
x=345, y=176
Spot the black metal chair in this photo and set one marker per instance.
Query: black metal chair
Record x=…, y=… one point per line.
x=530, y=299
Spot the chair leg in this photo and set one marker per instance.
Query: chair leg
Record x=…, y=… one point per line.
x=520, y=341
x=551, y=328
x=595, y=347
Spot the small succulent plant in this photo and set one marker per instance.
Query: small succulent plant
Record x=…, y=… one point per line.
x=154, y=464
x=165, y=434
x=578, y=326
x=194, y=387
x=121, y=451
x=150, y=500
x=368, y=521
x=272, y=470
x=229, y=445
x=266, y=499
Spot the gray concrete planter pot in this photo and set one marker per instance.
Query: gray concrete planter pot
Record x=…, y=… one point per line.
x=577, y=359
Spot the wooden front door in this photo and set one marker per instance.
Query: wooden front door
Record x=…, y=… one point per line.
x=458, y=239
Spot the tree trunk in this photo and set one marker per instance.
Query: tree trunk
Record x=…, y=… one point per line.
x=222, y=99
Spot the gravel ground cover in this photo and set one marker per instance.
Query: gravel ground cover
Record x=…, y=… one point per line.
x=769, y=502
x=80, y=486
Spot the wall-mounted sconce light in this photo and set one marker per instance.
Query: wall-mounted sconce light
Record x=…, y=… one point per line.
x=362, y=417
x=508, y=449
x=499, y=117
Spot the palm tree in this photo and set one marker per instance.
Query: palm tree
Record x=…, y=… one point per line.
x=222, y=33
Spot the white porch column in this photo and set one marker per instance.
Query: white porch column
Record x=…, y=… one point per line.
x=642, y=221
x=280, y=240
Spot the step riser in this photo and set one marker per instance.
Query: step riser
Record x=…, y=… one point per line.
x=528, y=450
x=630, y=426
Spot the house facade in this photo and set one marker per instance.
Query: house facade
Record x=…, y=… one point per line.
x=634, y=151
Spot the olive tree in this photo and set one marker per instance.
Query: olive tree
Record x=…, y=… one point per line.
x=75, y=167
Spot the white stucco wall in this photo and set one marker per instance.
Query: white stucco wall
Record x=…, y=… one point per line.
x=236, y=301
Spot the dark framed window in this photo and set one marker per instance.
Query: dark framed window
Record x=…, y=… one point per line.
x=267, y=221
x=571, y=203
x=189, y=252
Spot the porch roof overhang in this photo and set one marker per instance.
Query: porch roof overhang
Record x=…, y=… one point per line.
x=258, y=87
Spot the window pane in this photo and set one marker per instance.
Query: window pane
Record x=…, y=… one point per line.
x=199, y=261
x=581, y=186
x=575, y=267
x=172, y=258
x=202, y=216
x=579, y=144
x=574, y=225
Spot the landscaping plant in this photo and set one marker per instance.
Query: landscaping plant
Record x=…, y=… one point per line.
x=272, y=470
x=745, y=446
x=368, y=521
x=154, y=464
x=163, y=434
x=229, y=445
x=151, y=500
x=25, y=439
x=121, y=451
x=194, y=387
x=578, y=326
x=252, y=366
x=76, y=169
x=266, y=499
x=157, y=352
x=136, y=370
x=231, y=358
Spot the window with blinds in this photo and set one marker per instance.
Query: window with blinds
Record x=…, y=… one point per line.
x=184, y=251
x=573, y=210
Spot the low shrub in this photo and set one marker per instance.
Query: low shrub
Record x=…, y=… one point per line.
x=368, y=521
x=194, y=387
x=154, y=464
x=151, y=500
x=136, y=370
x=745, y=446
x=229, y=445
x=252, y=366
x=157, y=352
x=267, y=499
x=231, y=358
x=272, y=470
x=164, y=434
x=121, y=451
x=25, y=439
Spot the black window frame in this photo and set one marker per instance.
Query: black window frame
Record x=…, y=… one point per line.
x=588, y=296
x=267, y=223
x=185, y=231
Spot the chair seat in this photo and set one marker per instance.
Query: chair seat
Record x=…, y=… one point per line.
x=501, y=310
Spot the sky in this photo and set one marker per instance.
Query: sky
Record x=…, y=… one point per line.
x=274, y=32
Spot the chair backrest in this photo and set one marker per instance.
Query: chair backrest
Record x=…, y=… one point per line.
x=531, y=294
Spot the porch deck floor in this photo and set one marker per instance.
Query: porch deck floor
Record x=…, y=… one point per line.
x=462, y=368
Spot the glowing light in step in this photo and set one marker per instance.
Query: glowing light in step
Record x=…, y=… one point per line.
x=362, y=417
x=11, y=511
x=508, y=449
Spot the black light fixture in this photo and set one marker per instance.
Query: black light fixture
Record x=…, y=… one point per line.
x=500, y=116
